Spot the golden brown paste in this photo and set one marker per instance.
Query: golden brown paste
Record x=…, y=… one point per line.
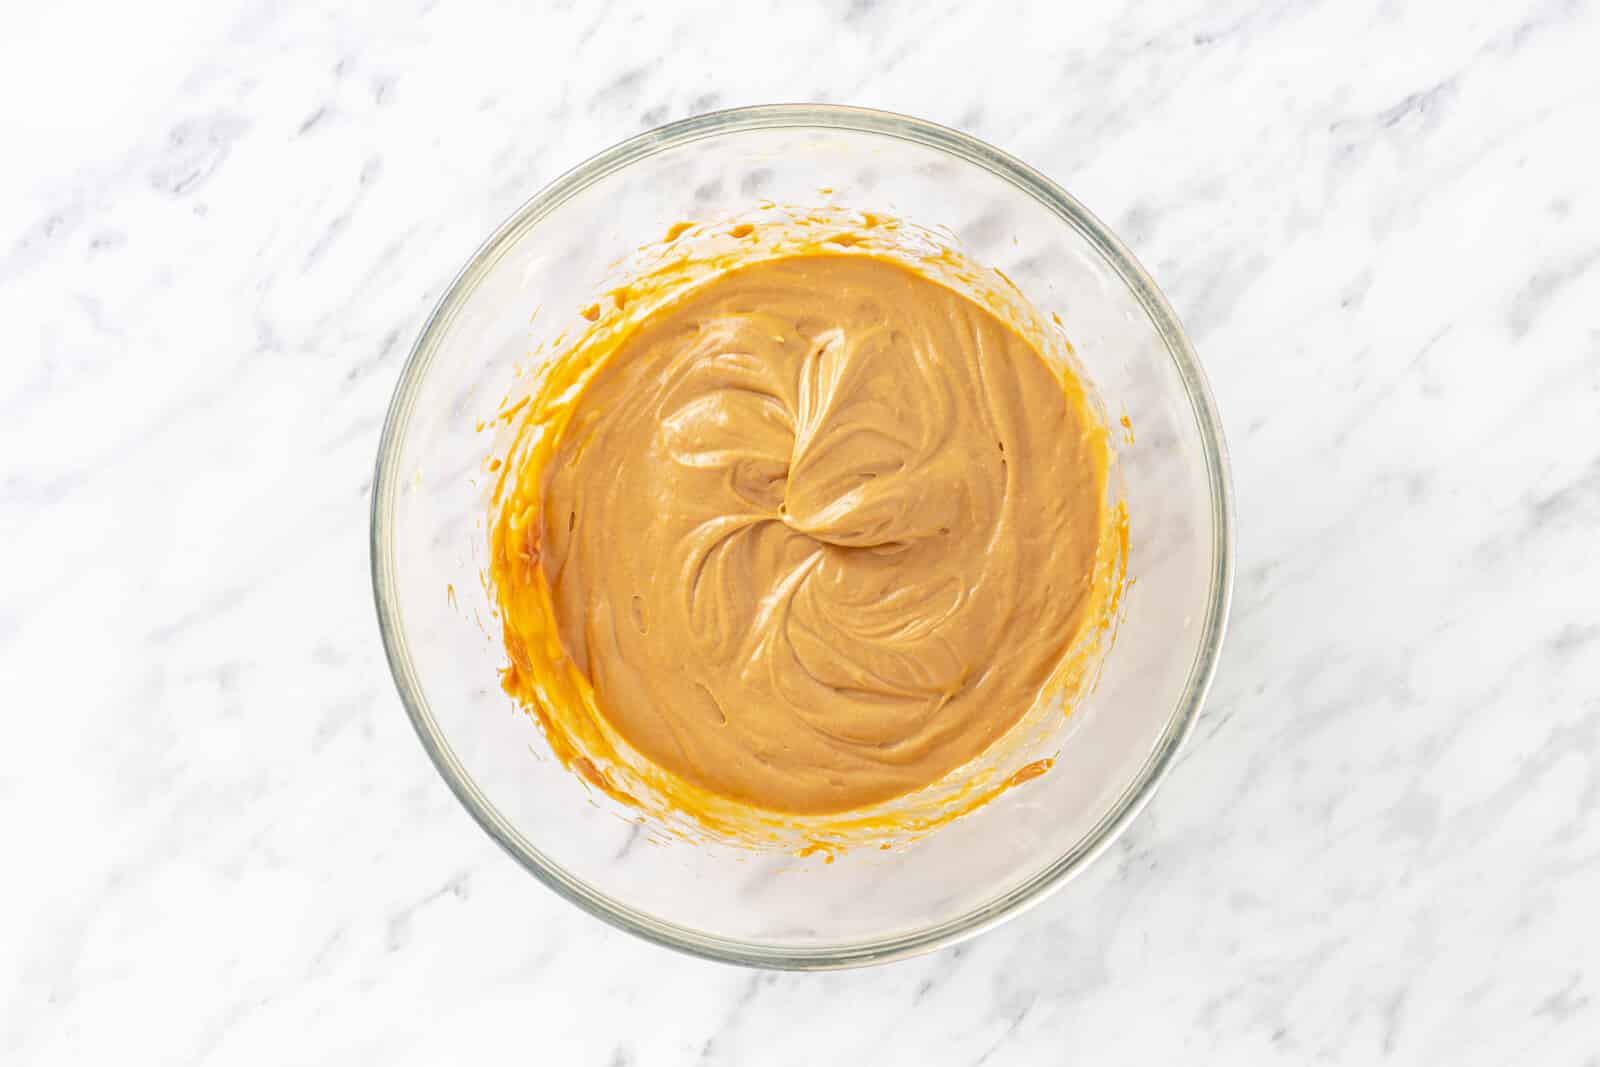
x=817, y=532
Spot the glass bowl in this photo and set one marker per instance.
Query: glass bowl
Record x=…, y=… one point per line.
x=720, y=900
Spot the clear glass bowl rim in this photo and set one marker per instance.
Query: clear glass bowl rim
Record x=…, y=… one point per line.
x=387, y=481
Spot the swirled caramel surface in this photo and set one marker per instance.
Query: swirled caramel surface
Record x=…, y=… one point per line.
x=819, y=532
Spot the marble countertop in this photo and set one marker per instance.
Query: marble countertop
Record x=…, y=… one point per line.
x=221, y=226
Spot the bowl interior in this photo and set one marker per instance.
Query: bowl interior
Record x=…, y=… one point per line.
x=719, y=900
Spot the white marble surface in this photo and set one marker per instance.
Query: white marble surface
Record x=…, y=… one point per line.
x=221, y=225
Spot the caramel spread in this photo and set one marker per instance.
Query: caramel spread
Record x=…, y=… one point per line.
x=815, y=533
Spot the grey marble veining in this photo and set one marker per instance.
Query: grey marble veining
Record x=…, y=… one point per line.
x=221, y=226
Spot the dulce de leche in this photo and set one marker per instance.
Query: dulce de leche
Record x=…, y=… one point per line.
x=818, y=532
